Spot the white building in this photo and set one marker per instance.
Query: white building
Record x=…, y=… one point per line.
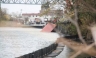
x=32, y=18
x=57, y=10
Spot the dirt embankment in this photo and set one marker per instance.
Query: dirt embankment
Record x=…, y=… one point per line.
x=10, y=24
x=77, y=46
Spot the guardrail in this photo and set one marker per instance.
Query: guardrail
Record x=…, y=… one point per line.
x=41, y=52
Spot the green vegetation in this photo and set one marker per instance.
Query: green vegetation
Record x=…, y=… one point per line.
x=86, y=13
x=81, y=12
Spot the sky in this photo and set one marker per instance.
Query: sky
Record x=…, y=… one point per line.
x=21, y=8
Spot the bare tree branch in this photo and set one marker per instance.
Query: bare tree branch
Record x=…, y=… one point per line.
x=93, y=30
x=77, y=27
x=89, y=6
x=82, y=50
x=78, y=47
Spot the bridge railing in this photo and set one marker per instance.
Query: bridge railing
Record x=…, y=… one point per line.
x=41, y=52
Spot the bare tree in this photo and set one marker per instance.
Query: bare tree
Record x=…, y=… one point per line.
x=81, y=14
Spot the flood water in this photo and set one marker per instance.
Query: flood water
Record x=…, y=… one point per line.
x=15, y=42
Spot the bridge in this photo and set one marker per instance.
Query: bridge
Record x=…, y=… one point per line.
x=32, y=2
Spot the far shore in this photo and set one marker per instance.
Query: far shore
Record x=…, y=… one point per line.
x=11, y=24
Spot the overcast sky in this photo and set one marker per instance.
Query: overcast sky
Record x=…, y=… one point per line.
x=25, y=8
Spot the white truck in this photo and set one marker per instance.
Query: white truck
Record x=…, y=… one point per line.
x=37, y=20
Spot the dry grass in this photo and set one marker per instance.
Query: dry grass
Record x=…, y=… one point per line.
x=78, y=46
x=10, y=24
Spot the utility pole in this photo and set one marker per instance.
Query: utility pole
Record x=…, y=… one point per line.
x=0, y=10
x=0, y=5
x=21, y=12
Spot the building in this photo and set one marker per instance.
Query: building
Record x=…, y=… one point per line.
x=50, y=16
x=33, y=18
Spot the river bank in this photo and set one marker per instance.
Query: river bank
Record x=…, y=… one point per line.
x=10, y=24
